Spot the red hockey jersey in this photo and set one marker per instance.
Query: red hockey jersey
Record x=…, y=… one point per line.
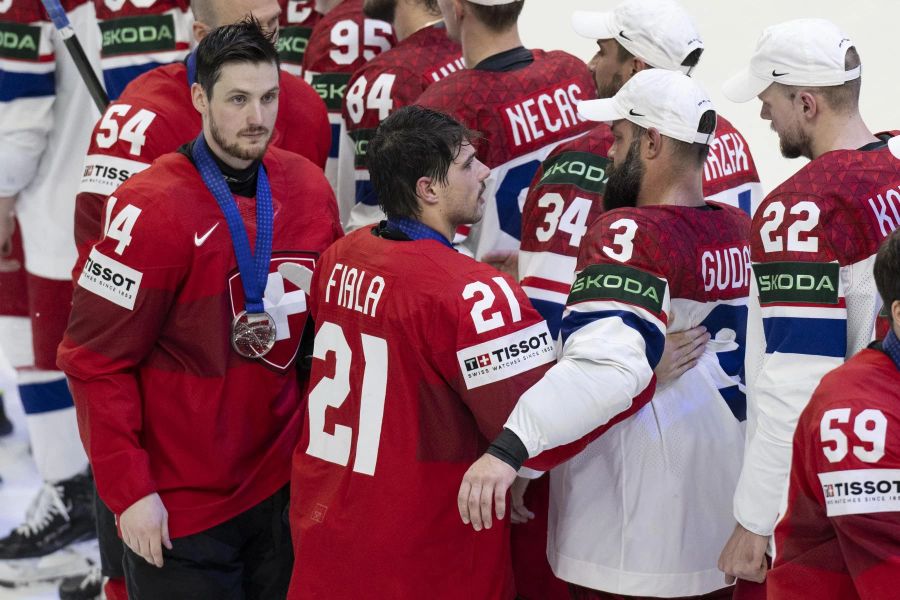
x=566, y=196
x=340, y=43
x=421, y=353
x=391, y=80
x=164, y=403
x=815, y=305
x=840, y=537
x=155, y=116
x=298, y=17
x=523, y=114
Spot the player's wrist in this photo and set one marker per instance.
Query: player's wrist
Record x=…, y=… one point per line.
x=509, y=448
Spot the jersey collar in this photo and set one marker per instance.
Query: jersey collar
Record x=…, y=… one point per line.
x=416, y=230
x=891, y=347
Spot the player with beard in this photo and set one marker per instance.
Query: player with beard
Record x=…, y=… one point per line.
x=393, y=79
x=181, y=354
x=342, y=42
x=824, y=225
x=665, y=259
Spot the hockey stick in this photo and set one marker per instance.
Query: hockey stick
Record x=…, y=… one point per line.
x=61, y=22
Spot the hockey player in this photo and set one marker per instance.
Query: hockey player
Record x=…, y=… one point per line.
x=814, y=227
x=523, y=102
x=674, y=262
x=342, y=42
x=393, y=79
x=171, y=345
x=154, y=116
x=437, y=347
x=840, y=536
x=298, y=17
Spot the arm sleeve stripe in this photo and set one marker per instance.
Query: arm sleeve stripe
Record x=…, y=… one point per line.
x=815, y=337
x=654, y=340
x=26, y=85
x=552, y=313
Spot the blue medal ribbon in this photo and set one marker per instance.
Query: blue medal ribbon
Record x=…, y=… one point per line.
x=416, y=230
x=191, y=63
x=253, y=267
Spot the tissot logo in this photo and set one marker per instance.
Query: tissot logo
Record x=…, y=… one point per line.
x=506, y=356
x=860, y=491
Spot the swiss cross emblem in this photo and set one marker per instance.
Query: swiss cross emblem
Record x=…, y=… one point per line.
x=285, y=303
x=484, y=360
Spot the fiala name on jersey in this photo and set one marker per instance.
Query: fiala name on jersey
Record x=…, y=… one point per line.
x=351, y=283
x=548, y=111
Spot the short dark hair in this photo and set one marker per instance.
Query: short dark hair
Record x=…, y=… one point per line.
x=497, y=18
x=691, y=153
x=413, y=142
x=842, y=98
x=241, y=42
x=887, y=271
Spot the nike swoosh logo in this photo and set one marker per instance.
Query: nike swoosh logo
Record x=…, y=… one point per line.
x=622, y=34
x=634, y=114
x=199, y=241
x=774, y=74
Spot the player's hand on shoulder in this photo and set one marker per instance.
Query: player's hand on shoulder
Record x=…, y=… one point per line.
x=484, y=487
x=682, y=352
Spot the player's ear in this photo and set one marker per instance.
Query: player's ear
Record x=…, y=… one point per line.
x=636, y=65
x=198, y=98
x=426, y=191
x=652, y=143
x=895, y=314
x=808, y=103
x=199, y=29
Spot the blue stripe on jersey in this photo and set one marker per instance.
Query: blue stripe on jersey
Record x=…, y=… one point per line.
x=45, y=397
x=116, y=79
x=514, y=182
x=335, y=141
x=15, y=85
x=727, y=322
x=654, y=340
x=365, y=193
x=552, y=313
x=736, y=401
x=744, y=199
x=816, y=337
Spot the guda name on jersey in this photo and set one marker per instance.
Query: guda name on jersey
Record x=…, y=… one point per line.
x=726, y=268
x=354, y=289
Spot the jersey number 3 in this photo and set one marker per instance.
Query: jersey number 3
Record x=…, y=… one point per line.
x=333, y=392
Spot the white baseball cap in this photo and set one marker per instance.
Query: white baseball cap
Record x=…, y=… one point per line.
x=658, y=32
x=806, y=52
x=894, y=145
x=493, y=2
x=669, y=101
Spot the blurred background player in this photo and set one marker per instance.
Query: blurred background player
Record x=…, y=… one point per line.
x=298, y=17
x=393, y=79
x=522, y=101
x=843, y=503
x=157, y=365
x=813, y=227
x=424, y=329
x=123, y=39
x=667, y=259
x=342, y=41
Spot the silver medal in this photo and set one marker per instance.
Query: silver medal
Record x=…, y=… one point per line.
x=252, y=334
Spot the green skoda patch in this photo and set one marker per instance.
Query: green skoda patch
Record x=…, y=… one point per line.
x=582, y=169
x=620, y=283
x=292, y=43
x=361, y=139
x=137, y=35
x=21, y=42
x=807, y=282
x=331, y=87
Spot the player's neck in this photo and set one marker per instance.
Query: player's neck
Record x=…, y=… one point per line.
x=479, y=42
x=840, y=132
x=685, y=190
x=435, y=220
x=410, y=18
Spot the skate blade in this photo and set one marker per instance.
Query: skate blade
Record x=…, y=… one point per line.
x=53, y=567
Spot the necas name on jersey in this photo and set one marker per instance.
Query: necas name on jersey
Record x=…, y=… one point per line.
x=550, y=110
x=726, y=268
x=727, y=157
x=506, y=356
x=110, y=279
x=886, y=209
x=619, y=283
x=798, y=282
x=140, y=34
x=354, y=289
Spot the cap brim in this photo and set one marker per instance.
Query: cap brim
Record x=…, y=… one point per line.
x=894, y=145
x=604, y=110
x=593, y=25
x=745, y=86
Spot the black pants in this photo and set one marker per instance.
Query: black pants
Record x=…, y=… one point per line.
x=111, y=546
x=245, y=558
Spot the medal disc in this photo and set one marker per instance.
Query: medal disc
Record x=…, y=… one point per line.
x=252, y=334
